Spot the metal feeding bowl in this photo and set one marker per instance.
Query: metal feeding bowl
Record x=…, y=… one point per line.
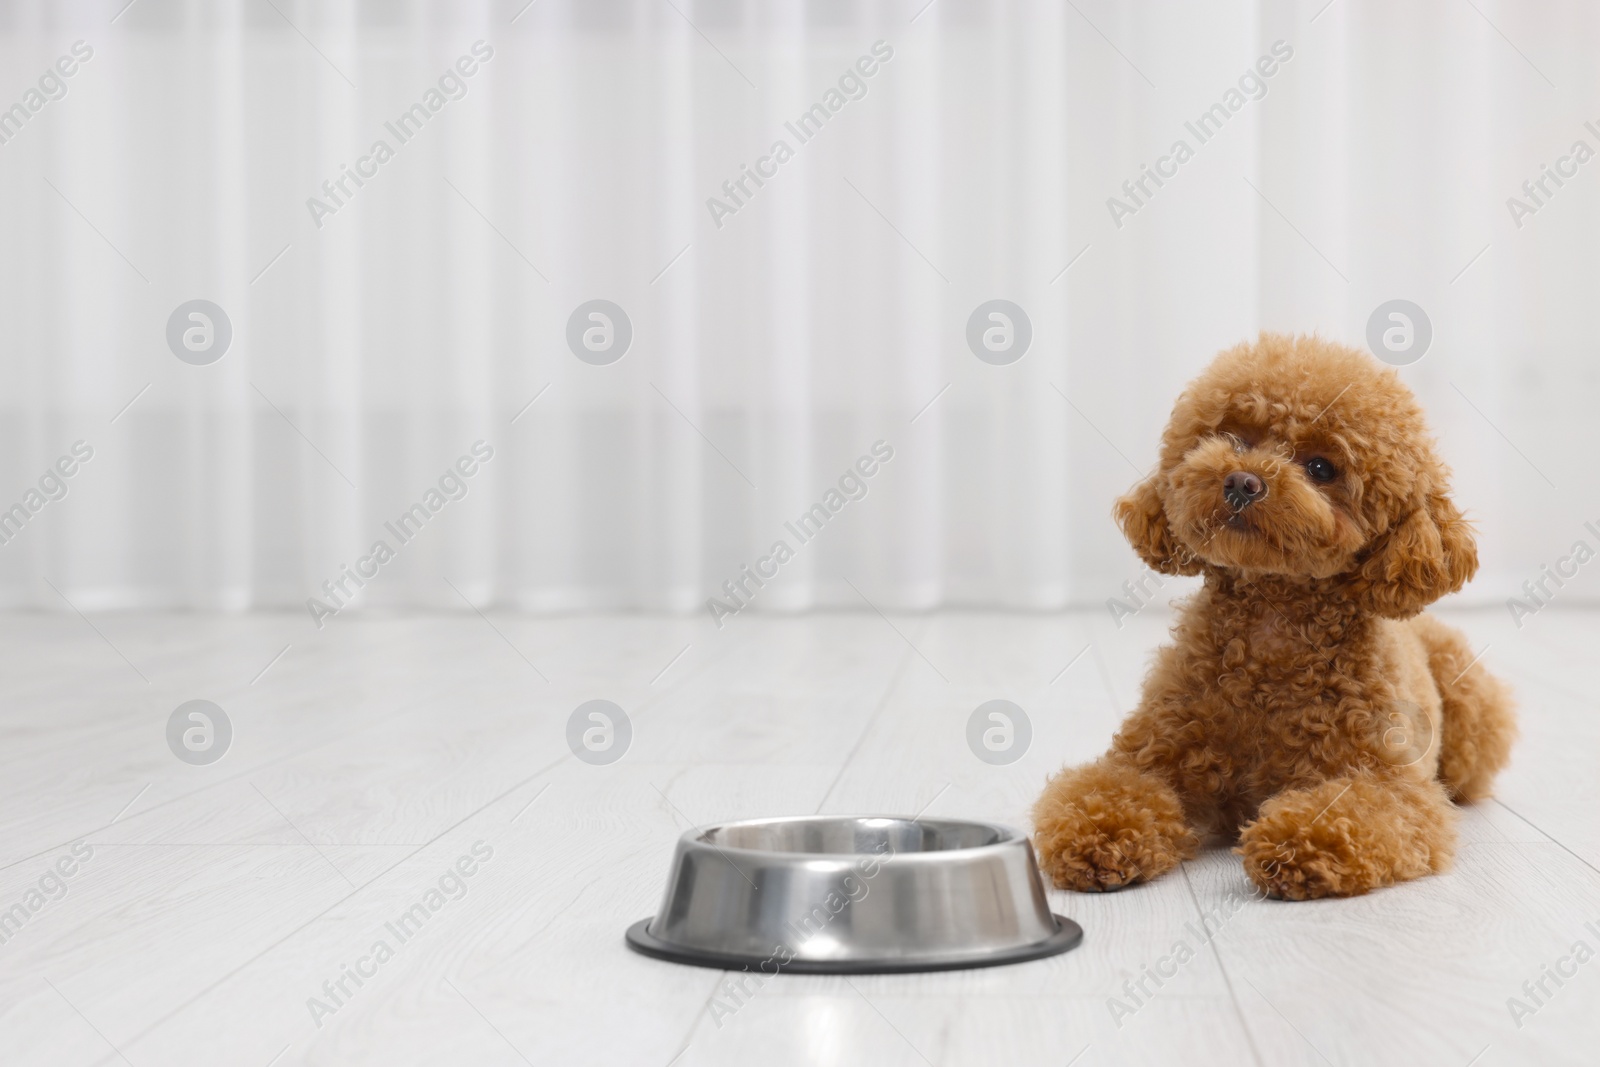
x=853, y=895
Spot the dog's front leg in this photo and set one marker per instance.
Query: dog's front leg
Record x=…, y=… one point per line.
x=1347, y=835
x=1107, y=824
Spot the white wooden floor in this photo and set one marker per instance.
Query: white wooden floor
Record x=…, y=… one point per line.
x=371, y=756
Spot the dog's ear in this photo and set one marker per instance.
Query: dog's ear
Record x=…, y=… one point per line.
x=1431, y=552
x=1143, y=519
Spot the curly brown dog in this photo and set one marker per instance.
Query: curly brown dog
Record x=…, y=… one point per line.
x=1307, y=705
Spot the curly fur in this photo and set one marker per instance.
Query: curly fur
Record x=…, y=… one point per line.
x=1306, y=705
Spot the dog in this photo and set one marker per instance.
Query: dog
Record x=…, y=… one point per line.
x=1307, y=708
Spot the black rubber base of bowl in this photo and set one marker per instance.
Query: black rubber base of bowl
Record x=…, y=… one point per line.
x=1067, y=936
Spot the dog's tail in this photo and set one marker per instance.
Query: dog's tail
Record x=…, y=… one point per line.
x=1479, y=717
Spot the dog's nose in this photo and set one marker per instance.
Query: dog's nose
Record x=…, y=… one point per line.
x=1241, y=489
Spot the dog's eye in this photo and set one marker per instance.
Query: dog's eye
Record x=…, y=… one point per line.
x=1321, y=470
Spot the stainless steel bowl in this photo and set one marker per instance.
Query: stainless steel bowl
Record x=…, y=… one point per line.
x=853, y=895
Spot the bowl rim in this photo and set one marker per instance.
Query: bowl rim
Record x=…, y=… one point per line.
x=1010, y=837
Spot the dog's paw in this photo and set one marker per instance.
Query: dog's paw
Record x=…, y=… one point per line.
x=1106, y=826
x=1090, y=861
x=1299, y=849
x=1288, y=871
x=1346, y=837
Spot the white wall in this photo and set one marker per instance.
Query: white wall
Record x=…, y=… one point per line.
x=776, y=348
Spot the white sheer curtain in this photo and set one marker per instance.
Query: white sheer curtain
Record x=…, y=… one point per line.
x=373, y=345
